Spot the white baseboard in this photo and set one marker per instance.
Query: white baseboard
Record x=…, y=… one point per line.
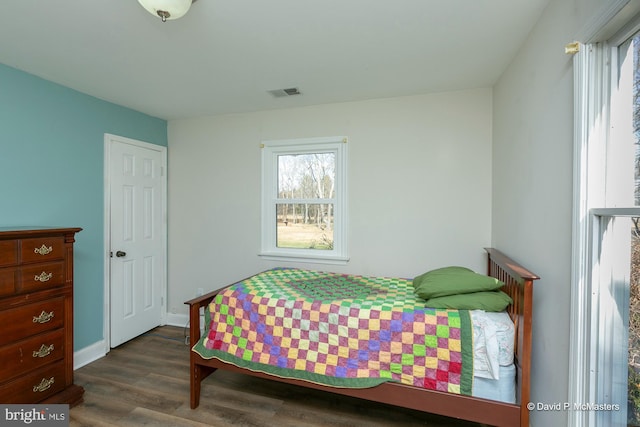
x=89, y=354
x=180, y=320
x=98, y=350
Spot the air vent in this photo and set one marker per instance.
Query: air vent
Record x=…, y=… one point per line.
x=279, y=93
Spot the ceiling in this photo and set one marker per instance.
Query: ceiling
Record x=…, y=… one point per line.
x=225, y=55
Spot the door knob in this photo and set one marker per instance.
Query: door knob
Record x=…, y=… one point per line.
x=120, y=254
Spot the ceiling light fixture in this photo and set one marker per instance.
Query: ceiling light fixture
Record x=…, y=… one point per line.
x=167, y=9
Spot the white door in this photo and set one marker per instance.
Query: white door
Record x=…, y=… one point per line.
x=137, y=237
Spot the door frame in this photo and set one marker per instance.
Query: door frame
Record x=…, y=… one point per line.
x=108, y=140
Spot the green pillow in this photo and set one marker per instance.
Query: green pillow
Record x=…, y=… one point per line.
x=453, y=280
x=487, y=301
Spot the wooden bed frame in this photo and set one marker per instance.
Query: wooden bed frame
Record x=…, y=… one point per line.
x=518, y=284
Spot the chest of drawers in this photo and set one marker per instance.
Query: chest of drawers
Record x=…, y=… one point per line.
x=36, y=316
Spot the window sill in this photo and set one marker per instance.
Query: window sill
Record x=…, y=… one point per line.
x=338, y=260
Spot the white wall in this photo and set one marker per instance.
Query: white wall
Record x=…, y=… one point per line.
x=419, y=187
x=532, y=185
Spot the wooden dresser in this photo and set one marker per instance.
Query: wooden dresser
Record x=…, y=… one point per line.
x=36, y=316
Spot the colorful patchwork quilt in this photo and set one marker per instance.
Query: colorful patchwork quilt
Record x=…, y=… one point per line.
x=339, y=330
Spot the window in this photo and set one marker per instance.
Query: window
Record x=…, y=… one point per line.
x=304, y=199
x=605, y=341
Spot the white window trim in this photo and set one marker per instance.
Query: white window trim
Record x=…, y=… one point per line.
x=587, y=129
x=270, y=151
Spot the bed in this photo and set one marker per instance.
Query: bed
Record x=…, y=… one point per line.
x=458, y=393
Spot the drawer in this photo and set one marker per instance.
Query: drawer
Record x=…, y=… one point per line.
x=41, y=249
x=41, y=276
x=31, y=354
x=36, y=386
x=8, y=252
x=31, y=319
x=7, y=281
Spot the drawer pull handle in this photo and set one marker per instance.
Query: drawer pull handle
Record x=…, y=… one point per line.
x=44, y=317
x=44, y=351
x=43, y=250
x=43, y=277
x=44, y=385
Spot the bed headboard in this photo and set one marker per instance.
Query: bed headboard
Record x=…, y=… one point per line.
x=518, y=284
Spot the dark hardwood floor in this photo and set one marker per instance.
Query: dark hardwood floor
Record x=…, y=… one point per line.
x=146, y=382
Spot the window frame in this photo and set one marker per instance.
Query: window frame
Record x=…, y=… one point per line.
x=270, y=151
x=595, y=77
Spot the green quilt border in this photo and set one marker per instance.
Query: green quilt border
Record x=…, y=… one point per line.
x=466, y=336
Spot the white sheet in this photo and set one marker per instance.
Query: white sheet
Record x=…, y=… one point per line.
x=493, y=343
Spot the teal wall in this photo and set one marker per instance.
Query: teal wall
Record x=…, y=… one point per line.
x=51, y=173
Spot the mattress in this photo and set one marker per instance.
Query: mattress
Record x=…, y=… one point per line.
x=503, y=390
